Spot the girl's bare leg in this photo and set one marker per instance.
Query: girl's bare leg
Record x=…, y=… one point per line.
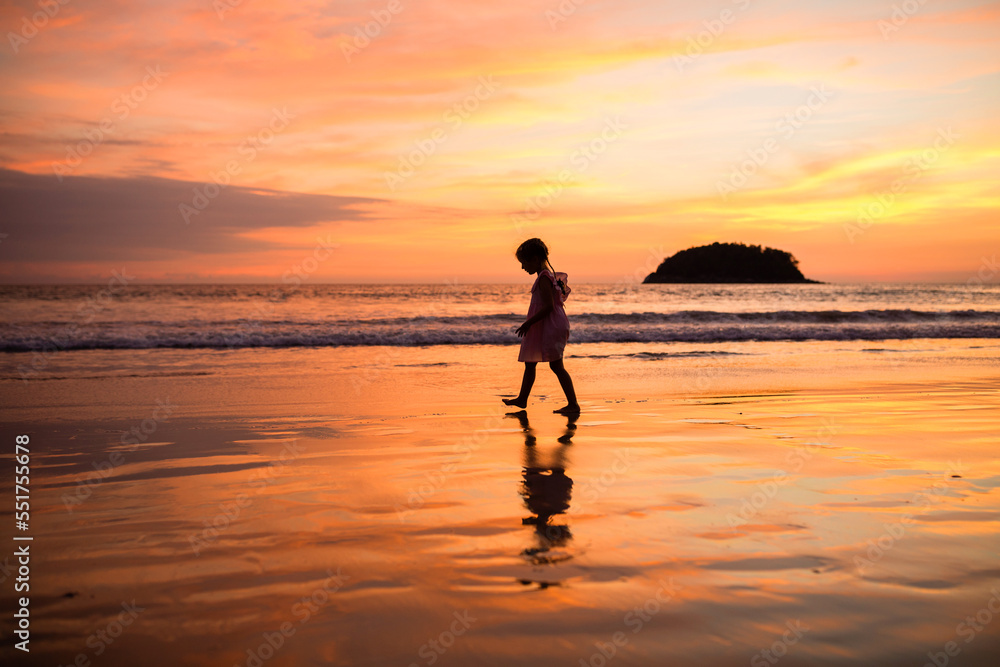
x=566, y=382
x=526, y=382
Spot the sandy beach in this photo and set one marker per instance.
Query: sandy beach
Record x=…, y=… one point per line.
x=378, y=506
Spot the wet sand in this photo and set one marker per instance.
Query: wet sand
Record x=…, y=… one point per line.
x=832, y=505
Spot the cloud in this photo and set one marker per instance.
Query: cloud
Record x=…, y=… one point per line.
x=87, y=218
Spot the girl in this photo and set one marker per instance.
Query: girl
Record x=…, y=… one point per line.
x=545, y=332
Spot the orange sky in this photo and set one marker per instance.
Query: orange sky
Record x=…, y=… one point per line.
x=429, y=148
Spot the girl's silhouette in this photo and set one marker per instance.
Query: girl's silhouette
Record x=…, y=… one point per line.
x=545, y=333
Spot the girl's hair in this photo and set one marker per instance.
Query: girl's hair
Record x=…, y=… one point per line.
x=532, y=248
x=537, y=248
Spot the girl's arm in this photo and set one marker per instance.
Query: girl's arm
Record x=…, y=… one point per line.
x=545, y=289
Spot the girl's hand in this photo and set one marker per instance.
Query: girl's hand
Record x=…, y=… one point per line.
x=521, y=330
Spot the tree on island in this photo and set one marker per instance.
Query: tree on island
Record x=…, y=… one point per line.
x=729, y=263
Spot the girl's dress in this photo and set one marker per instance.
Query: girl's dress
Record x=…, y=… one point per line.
x=546, y=339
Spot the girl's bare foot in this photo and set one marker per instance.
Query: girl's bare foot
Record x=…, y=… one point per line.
x=568, y=410
x=519, y=402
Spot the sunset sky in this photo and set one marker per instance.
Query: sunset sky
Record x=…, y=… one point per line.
x=860, y=136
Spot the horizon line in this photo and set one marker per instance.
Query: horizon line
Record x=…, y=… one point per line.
x=445, y=282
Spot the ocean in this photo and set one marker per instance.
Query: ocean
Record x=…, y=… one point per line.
x=124, y=316
x=747, y=457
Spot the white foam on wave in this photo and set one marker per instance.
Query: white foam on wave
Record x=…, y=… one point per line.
x=496, y=330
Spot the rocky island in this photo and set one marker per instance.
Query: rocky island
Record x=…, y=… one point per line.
x=729, y=263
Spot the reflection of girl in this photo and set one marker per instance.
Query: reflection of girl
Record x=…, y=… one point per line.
x=546, y=492
x=545, y=333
